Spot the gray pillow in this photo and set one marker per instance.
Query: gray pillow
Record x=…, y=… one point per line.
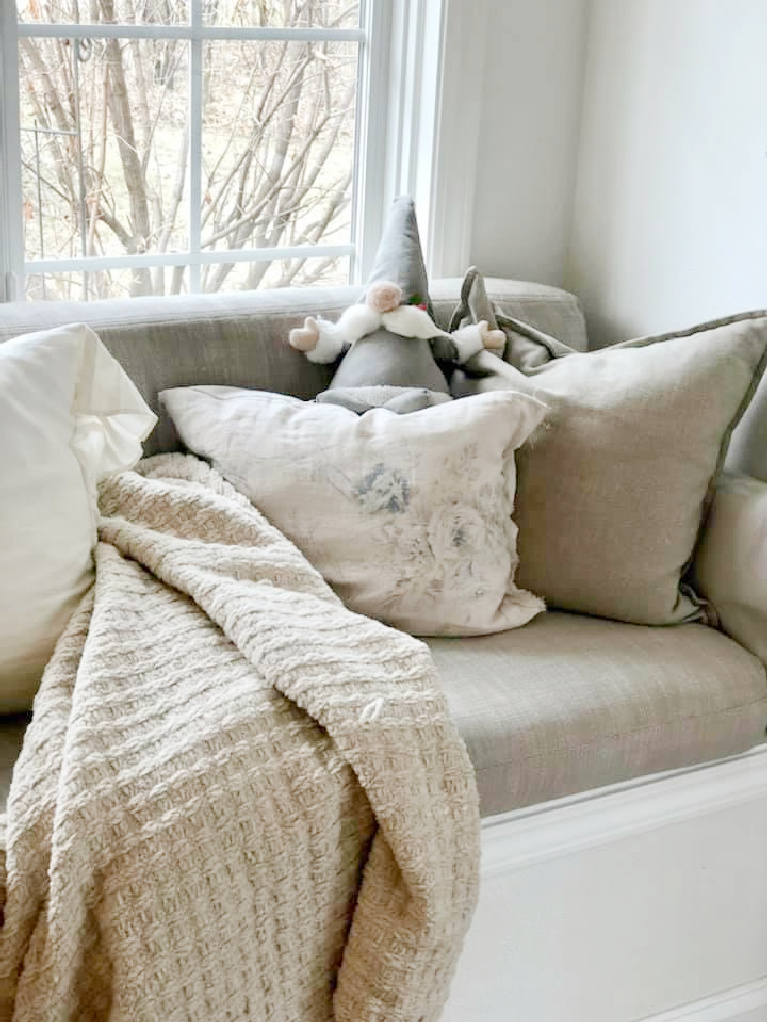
x=612, y=494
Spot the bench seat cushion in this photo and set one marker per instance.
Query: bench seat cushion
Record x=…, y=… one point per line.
x=570, y=703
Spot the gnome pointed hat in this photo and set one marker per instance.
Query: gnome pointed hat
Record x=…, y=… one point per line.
x=522, y=352
x=399, y=258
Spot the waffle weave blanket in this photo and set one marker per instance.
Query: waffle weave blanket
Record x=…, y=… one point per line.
x=236, y=800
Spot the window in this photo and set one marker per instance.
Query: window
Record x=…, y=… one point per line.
x=181, y=146
x=159, y=147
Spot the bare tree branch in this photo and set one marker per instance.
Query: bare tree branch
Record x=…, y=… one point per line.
x=277, y=134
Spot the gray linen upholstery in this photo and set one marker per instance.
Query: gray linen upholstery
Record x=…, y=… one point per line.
x=570, y=703
x=242, y=339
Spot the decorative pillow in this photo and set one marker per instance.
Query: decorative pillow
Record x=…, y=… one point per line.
x=68, y=414
x=747, y=454
x=610, y=499
x=407, y=517
x=731, y=561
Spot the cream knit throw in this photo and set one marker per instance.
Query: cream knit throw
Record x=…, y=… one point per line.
x=225, y=770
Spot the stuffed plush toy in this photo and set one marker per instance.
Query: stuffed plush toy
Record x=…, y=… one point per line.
x=393, y=355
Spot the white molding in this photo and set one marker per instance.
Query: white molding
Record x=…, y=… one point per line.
x=435, y=79
x=194, y=142
x=732, y=1004
x=404, y=105
x=516, y=840
x=374, y=102
x=455, y=148
x=11, y=205
x=642, y=901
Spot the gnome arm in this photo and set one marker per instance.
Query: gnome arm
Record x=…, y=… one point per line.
x=319, y=339
x=460, y=345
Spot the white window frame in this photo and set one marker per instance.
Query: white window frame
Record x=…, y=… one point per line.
x=434, y=74
x=418, y=114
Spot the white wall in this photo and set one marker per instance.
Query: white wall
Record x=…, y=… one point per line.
x=670, y=219
x=528, y=137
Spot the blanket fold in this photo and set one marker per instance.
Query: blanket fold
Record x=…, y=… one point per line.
x=236, y=798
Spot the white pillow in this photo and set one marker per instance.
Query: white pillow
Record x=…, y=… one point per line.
x=68, y=414
x=408, y=517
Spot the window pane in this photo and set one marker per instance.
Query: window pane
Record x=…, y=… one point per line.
x=282, y=13
x=90, y=12
x=315, y=270
x=77, y=285
x=104, y=147
x=278, y=144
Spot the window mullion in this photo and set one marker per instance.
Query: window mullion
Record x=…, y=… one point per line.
x=128, y=30
x=153, y=259
x=11, y=195
x=195, y=143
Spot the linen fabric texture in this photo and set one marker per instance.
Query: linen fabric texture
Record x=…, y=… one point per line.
x=407, y=517
x=730, y=561
x=68, y=415
x=747, y=454
x=573, y=702
x=612, y=495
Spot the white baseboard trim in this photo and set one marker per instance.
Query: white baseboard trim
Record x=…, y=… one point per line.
x=516, y=840
x=733, y=1004
x=631, y=902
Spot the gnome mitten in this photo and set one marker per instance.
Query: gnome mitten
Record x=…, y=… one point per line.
x=494, y=340
x=319, y=339
x=472, y=338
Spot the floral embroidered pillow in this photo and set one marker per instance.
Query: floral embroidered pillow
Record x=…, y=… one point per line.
x=407, y=517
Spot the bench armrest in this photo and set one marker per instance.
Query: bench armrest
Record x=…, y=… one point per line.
x=731, y=561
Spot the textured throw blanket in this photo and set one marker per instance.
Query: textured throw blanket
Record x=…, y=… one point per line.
x=236, y=799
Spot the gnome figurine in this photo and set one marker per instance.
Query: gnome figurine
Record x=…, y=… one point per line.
x=392, y=354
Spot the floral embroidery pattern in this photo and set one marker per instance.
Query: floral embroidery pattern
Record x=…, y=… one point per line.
x=447, y=538
x=383, y=489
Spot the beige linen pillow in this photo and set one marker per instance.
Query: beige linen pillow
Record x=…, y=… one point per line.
x=611, y=497
x=408, y=517
x=731, y=561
